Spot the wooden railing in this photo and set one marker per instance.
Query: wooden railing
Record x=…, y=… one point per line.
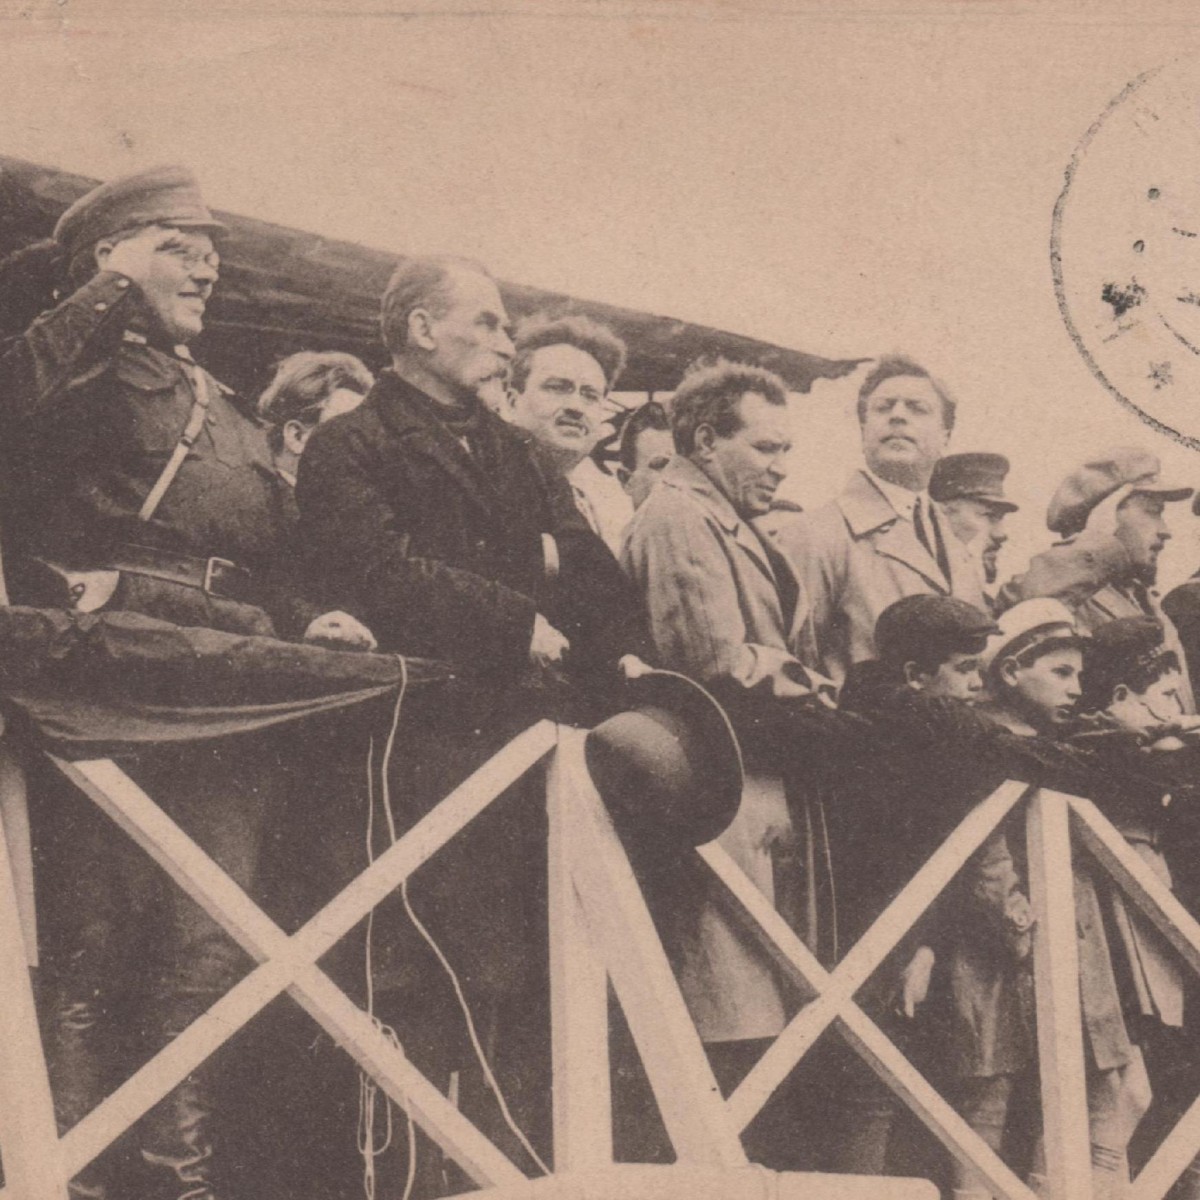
x=601, y=934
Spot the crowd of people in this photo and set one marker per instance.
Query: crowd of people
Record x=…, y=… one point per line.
x=881, y=677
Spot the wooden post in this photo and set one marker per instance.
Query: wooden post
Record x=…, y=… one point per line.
x=33, y=1164
x=583, y=1124
x=1147, y=891
x=1056, y=982
x=682, y=1080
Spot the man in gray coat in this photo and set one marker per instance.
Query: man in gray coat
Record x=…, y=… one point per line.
x=724, y=608
x=883, y=537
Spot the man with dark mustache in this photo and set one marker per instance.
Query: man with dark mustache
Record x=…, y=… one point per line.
x=883, y=537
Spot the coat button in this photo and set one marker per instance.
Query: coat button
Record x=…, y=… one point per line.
x=122, y=282
x=101, y=307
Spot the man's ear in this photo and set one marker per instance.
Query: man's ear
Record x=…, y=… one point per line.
x=101, y=251
x=914, y=676
x=420, y=329
x=296, y=435
x=624, y=474
x=1120, y=694
x=1008, y=671
x=706, y=436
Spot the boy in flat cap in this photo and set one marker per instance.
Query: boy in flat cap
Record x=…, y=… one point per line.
x=970, y=489
x=134, y=482
x=1110, y=514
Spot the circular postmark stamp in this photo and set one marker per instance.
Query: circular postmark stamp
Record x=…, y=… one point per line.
x=1125, y=249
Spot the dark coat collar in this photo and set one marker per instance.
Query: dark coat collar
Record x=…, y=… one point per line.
x=411, y=416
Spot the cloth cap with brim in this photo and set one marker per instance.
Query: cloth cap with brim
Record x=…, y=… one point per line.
x=668, y=766
x=1032, y=624
x=159, y=196
x=917, y=627
x=1096, y=480
x=975, y=476
x=1125, y=651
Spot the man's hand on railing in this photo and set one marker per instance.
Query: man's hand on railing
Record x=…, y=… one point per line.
x=340, y=631
x=914, y=981
x=547, y=647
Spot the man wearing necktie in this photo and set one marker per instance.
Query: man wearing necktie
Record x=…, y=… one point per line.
x=883, y=537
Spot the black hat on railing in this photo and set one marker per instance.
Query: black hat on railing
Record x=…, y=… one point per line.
x=668, y=765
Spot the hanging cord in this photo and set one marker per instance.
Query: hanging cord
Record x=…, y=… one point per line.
x=368, y=1089
x=476, y=1046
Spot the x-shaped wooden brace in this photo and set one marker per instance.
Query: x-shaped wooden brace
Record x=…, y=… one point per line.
x=289, y=963
x=832, y=993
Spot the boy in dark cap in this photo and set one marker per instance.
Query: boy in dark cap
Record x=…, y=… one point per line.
x=133, y=481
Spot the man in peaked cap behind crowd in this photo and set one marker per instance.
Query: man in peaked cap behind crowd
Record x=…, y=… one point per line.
x=1110, y=513
x=134, y=482
x=970, y=489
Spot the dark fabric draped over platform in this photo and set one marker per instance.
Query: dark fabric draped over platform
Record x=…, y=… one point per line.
x=106, y=683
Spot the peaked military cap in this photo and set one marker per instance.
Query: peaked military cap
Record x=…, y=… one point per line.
x=1098, y=478
x=972, y=477
x=159, y=196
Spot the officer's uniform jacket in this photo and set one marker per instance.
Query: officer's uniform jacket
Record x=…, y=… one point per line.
x=92, y=412
x=856, y=556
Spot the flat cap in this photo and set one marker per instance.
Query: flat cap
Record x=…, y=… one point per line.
x=1121, y=651
x=1029, y=625
x=972, y=477
x=159, y=196
x=915, y=627
x=1098, y=478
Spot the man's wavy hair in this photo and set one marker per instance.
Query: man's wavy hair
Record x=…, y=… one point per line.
x=303, y=383
x=572, y=329
x=424, y=281
x=895, y=366
x=710, y=394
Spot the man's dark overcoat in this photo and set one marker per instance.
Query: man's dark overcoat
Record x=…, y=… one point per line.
x=440, y=549
x=447, y=551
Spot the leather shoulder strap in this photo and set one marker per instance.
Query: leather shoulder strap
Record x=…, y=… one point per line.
x=187, y=439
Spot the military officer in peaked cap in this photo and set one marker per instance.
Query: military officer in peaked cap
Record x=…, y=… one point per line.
x=970, y=489
x=134, y=482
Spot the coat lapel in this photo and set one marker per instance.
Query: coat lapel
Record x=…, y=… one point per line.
x=869, y=514
x=685, y=475
x=406, y=411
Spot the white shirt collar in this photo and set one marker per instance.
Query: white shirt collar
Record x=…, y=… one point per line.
x=900, y=498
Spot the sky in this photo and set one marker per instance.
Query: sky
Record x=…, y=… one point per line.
x=846, y=179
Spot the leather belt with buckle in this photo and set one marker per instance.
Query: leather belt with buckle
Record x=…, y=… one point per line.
x=215, y=576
